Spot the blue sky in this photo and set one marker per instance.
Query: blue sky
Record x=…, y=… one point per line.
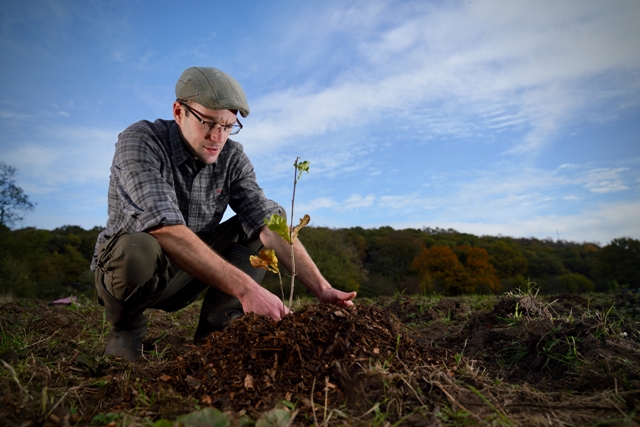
x=490, y=117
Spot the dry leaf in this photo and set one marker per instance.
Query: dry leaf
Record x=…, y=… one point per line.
x=248, y=382
x=267, y=259
x=303, y=222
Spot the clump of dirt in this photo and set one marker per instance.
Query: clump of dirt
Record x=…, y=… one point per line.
x=320, y=353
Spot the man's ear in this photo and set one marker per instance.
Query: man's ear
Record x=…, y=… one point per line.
x=178, y=113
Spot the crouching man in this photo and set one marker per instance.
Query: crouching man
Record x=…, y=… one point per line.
x=163, y=245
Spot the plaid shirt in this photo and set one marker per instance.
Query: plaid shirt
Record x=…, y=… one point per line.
x=155, y=181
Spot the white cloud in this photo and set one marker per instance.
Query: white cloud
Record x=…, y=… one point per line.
x=599, y=225
x=356, y=201
x=523, y=59
x=604, y=180
x=320, y=203
x=55, y=156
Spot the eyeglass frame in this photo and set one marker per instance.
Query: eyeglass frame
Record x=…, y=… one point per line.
x=213, y=124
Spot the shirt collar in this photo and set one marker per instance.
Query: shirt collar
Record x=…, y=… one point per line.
x=178, y=149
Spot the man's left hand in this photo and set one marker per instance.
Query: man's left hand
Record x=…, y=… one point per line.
x=334, y=296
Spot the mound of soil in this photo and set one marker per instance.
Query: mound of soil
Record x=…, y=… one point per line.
x=520, y=361
x=321, y=354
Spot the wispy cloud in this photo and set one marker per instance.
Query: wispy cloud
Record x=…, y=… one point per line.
x=429, y=113
x=599, y=224
x=604, y=180
x=55, y=156
x=521, y=63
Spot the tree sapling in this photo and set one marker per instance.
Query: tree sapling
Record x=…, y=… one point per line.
x=278, y=223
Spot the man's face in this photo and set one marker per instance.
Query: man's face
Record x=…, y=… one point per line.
x=204, y=143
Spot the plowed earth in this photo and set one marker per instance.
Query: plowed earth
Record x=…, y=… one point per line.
x=524, y=360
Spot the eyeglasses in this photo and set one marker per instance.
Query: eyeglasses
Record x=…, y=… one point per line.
x=208, y=126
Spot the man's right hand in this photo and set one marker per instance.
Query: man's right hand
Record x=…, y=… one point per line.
x=191, y=254
x=259, y=300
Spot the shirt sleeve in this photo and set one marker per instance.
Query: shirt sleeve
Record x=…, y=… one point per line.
x=247, y=198
x=142, y=175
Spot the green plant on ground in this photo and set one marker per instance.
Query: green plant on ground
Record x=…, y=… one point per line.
x=103, y=419
x=530, y=290
x=562, y=351
x=511, y=355
x=277, y=223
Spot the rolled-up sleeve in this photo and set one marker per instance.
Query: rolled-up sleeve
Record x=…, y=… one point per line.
x=143, y=190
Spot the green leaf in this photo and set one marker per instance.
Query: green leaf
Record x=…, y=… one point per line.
x=278, y=224
x=275, y=418
x=87, y=361
x=207, y=417
x=302, y=167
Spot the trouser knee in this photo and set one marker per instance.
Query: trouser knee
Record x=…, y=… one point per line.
x=133, y=267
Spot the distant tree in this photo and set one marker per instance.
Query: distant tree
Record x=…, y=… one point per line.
x=335, y=256
x=46, y=264
x=480, y=273
x=13, y=201
x=620, y=261
x=463, y=269
x=576, y=283
x=440, y=270
x=508, y=261
x=542, y=262
x=391, y=252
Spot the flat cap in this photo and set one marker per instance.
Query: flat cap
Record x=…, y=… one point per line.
x=212, y=89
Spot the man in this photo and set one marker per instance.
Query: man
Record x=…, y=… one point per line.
x=163, y=245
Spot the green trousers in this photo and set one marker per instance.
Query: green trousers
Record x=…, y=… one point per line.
x=134, y=274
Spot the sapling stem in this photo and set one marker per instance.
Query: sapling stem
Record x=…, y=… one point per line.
x=267, y=258
x=294, y=272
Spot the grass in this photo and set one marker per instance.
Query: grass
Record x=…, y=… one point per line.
x=477, y=368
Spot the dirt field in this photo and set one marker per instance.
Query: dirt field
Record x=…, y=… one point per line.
x=513, y=360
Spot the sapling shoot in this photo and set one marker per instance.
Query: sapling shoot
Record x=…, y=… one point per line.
x=278, y=223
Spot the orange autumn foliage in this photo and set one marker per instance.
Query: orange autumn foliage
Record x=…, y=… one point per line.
x=462, y=270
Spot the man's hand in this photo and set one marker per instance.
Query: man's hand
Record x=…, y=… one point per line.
x=261, y=301
x=191, y=254
x=334, y=296
x=306, y=270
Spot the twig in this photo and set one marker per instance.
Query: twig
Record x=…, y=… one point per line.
x=326, y=398
x=61, y=399
x=375, y=407
x=500, y=413
x=15, y=378
x=453, y=400
x=313, y=406
x=415, y=392
x=43, y=339
x=79, y=400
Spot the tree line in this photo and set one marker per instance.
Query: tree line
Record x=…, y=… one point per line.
x=45, y=264
x=384, y=261
x=381, y=261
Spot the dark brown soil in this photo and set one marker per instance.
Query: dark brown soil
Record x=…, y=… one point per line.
x=566, y=360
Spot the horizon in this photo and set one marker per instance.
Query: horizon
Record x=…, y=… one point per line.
x=490, y=118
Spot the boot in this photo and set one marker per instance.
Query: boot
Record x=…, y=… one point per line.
x=127, y=342
x=218, y=308
x=128, y=328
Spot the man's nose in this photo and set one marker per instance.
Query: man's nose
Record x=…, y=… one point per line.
x=216, y=134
